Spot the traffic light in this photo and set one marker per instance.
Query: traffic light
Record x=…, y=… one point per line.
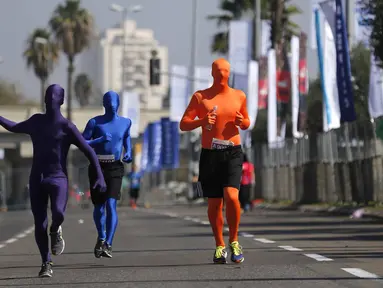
x=155, y=71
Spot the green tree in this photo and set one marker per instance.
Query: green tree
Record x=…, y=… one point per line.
x=83, y=89
x=360, y=69
x=9, y=94
x=236, y=9
x=41, y=57
x=72, y=26
x=372, y=11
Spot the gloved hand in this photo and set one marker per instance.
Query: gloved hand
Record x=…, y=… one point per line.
x=100, y=184
x=107, y=137
x=127, y=158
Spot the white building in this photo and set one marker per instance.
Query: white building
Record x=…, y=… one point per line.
x=102, y=63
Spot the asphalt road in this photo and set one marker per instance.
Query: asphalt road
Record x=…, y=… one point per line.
x=172, y=246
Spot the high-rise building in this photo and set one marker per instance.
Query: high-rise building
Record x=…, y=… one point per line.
x=102, y=62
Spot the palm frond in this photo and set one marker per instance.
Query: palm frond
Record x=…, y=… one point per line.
x=73, y=27
x=41, y=57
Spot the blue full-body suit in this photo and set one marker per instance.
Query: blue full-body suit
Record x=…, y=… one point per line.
x=51, y=136
x=108, y=134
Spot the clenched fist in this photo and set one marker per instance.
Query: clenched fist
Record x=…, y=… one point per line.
x=210, y=118
x=238, y=118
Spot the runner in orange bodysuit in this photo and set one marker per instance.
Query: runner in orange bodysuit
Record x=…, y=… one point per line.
x=220, y=111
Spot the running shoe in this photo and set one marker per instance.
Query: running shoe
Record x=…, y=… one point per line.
x=220, y=255
x=46, y=270
x=107, y=250
x=98, y=249
x=236, y=252
x=57, y=242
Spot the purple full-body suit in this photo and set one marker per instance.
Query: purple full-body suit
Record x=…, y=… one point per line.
x=51, y=136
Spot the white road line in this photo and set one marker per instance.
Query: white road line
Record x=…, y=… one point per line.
x=195, y=220
x=205, y=222
x=2, y=245
x=263, y=240
x=172, y=215
x=361, y=273
x=290, y=248
x=187, y=218
x=226, y=229
x=318, y=257
x=11, y=240
x=247, y=235
x=21, y=235
x=30, y=230
x=80, y=221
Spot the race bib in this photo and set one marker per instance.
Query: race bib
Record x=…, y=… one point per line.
x=106, y=158
x=218, y=144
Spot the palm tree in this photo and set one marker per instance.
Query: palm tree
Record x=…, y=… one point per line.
x=83, y=89
x=41, y=54
x=235, y=9
x=72, y=26
x=232, y=10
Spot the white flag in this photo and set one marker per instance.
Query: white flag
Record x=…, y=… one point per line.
x=375, y=91
x=178, y=92
x=131, y=110
x=329, y=67
x=295, y=84
x=272, y=99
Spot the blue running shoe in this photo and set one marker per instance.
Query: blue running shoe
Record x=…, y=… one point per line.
x=236, y=252
x=220, y=255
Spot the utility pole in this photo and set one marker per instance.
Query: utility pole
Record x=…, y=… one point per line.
x=193, y=136
x=257, y=30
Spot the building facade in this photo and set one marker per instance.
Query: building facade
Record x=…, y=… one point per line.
x=102, y=62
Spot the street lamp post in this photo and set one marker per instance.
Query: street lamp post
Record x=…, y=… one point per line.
x=124, y=13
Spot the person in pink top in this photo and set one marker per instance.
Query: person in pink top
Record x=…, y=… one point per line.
x=247, y=180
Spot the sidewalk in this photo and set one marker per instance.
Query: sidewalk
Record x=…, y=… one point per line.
x=365, y=212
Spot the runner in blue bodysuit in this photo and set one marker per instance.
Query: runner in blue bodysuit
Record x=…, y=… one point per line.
x=51, y=136
x=108, y=134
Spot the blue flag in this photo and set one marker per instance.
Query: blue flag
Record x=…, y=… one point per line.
x=155, y=146
x=343, y=67
x=145, y=151
x=170, y=144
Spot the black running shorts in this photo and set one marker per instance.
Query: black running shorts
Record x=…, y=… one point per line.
x=134, y=192
x=113, y=173
x=219, y=169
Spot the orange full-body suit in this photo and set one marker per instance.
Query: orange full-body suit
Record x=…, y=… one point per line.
x=231, y=114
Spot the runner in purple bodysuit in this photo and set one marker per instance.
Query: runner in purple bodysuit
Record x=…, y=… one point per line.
x=51, y=136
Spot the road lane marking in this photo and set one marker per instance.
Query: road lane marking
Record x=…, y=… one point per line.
x=11, y=240
x=18, y=236
x=21, y=235
x=361, y=273
x=263, y=240
x=247, y=235
x=318, y=257
x=187, y=218
x=290, y=248
x=205, y=222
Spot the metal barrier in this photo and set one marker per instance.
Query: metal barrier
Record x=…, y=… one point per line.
x=343, y=165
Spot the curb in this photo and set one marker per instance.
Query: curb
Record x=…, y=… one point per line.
x=332, y=211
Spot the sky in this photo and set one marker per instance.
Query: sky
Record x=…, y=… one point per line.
x=169, y=19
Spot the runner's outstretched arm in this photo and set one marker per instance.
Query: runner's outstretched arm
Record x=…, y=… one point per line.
x=188, y=121
x=21, y=127
x=78, y=140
